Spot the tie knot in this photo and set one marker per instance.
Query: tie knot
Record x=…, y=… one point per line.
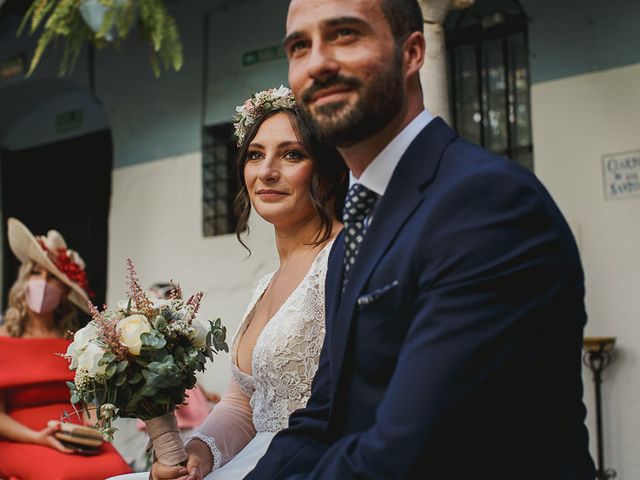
x=358, y=204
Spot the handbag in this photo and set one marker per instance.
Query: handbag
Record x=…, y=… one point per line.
x=80, y=438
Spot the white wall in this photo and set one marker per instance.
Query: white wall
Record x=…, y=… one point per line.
x=156, y=220
x=576, y=120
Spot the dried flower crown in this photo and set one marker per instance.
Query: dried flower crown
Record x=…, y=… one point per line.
x=259, y=104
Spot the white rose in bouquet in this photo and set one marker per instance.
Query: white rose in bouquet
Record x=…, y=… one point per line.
x=89, y=359
x=80, y=341
x=130, y=329
x=201, y=328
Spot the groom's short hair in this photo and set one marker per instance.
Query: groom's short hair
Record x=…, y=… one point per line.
x=404, y=17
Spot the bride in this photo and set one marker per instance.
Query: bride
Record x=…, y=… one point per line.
x=297, y=185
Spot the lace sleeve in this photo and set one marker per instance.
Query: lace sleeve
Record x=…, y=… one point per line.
x=229, y=426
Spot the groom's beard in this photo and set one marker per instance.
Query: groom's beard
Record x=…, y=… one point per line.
x=379, y=101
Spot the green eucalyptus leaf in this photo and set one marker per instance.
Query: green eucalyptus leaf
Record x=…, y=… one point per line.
x=153, y=339
x=111, y=370
x=209, y=353
x=149, y=377
x=122, y=365
x=148, y=391
x=120, y=380
x=142, y=362
x=159, y=323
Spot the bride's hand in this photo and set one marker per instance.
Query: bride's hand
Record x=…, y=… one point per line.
x=162, y=472
x=199, y=460
x=192, y=471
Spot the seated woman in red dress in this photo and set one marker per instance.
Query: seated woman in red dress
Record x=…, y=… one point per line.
x=32, y=372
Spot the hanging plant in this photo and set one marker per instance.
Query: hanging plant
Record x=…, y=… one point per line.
x=103, y=23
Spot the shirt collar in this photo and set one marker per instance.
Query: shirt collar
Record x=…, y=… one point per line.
x=377, y=175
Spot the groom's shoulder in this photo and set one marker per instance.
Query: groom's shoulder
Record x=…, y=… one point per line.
x=463, y=161
x=473, y=159
x=438, y=149
x=469, y=175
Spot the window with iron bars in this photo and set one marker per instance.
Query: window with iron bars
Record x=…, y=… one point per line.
x=219, y=180
x=489, y=81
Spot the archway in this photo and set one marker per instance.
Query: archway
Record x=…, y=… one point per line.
x=55, y=170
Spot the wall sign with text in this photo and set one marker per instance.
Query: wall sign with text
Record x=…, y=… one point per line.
x=621, y=173
x=263, y=55
x=69, y=121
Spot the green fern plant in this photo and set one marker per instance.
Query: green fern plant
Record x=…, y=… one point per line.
x=62, y=21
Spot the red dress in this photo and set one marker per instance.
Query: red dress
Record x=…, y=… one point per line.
x=32, y=380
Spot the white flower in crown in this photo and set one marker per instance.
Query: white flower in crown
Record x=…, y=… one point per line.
x=281, y=92
x=259, y=104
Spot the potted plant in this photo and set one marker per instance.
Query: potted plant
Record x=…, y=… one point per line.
x=103, y=23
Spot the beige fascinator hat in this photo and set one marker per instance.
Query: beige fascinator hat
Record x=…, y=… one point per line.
x=51, y=252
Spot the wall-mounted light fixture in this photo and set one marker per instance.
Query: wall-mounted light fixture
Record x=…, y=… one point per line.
x=597, y=356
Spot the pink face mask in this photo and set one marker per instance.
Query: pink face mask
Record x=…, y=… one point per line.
x=42, y=296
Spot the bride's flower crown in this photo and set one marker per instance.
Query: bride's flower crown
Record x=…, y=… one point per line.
x=259, y=104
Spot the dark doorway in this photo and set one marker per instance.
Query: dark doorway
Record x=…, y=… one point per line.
x=64, y=186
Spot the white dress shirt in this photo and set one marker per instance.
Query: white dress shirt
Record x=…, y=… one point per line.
x=377, y=175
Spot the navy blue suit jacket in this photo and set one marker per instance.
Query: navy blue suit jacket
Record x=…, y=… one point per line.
x=454, y=351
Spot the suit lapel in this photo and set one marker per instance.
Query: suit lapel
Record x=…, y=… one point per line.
x=335, y=272
x=417, y=167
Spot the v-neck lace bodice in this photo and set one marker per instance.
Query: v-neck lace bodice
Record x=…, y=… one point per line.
x=285, y=357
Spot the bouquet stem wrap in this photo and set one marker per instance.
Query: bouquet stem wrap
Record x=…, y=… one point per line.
x=165, y=437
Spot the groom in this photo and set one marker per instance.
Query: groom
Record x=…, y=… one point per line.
x=454, y=294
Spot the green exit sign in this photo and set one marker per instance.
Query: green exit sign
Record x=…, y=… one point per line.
x=69, y=121
x=263, y=55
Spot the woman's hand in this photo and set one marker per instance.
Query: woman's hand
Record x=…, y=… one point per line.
x=191, y=472
x=199, y=461
x=45, y=437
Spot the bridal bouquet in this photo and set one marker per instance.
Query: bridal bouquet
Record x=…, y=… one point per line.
x=139, y=359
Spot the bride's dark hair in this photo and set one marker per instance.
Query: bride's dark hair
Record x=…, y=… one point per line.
x=328, y=182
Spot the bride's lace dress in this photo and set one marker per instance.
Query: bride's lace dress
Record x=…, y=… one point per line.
x=284, y=362
x=285, y=357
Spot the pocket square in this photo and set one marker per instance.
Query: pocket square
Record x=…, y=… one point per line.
x=369, y=298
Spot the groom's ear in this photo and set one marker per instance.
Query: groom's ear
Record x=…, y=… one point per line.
x=413, y=52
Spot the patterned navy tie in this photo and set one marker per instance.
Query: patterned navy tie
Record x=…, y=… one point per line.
x=358, y=205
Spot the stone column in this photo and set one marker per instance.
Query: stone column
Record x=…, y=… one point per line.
x=434, y=71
